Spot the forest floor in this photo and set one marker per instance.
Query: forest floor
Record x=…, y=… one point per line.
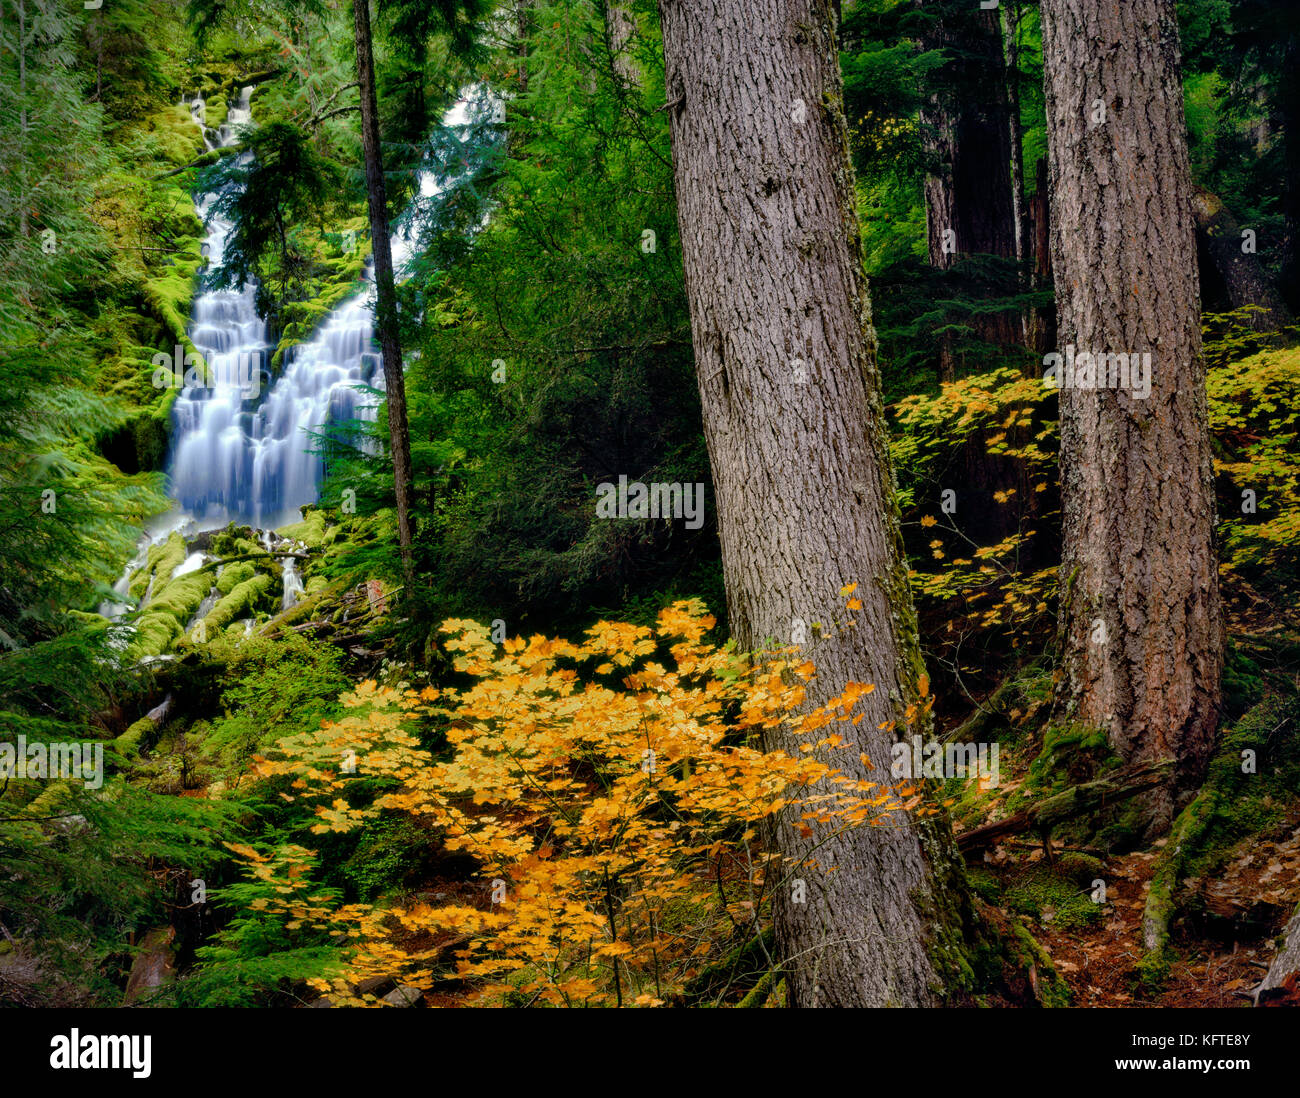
x=1221, y=954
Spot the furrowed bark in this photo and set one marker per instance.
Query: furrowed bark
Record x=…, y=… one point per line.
x=1141, y=623
x=786, y=361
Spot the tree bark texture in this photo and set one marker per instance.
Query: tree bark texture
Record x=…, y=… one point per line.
x=620, y=32
x=1141, y=624
x=785, y=354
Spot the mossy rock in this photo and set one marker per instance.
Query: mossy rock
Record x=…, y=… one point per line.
x=1080, y=868
x=128, y=744
x=232, y=575
x=1045, y=894
x=163, y=621
x=311, y=531
x=181, y=597
x=154, y=634
x=244, y=600
x=161, y=561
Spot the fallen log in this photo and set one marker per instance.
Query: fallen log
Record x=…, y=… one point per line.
x=1080, y=800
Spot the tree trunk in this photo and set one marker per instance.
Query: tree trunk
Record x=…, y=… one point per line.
x=1281, y=986
x=385, y=291
x=1244, y=278
x=1019, y=215
x=1042, y=322
x=967, y=140
x=785, y=357
x=1019, y=208
x=620, y=31
x=1288, y=97
x=1141, y=625
x=966, y=136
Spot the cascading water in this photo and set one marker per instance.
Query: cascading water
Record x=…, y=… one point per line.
x=292, y=584
x=236, y=459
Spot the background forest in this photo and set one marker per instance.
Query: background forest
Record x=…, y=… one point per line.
x=448, y=734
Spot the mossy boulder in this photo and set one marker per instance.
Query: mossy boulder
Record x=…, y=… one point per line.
x=243, y=601
x=162, y=560
x=232, y=575
x=311, y=531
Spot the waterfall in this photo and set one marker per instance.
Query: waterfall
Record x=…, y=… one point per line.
x=218, y=434
x=292, y=583
x=233, y=457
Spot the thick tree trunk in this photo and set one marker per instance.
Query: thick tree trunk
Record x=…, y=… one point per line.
x=1142, y=632
x=1244, y=278
x=385, y=291
x=785, y=354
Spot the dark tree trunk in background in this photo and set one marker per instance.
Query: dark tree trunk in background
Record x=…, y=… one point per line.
x=1244, y=278
x=785, y=355
x=523, y=22
x=1042, y=322
x=385, y=291
x=1289, y=109
x=620, y=32
x=1141, y=625
x=1019, y=215
x=966, y=136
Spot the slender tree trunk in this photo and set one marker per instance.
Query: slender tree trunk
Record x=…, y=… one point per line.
x=1042, y=321
x=1011, y=33
x=24, y=227
x=785, y=356
x=1289, y=109
x=385, y=291
x=1019, y=209
x=1142, y=632
x=620, y=30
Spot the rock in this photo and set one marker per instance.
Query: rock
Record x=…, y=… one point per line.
x=375, y=985
x=405, y=996
x=317, y=1004
x=154, y=965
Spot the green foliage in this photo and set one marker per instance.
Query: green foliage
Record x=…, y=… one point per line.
x=256, y=961
x=286, y=183
x=75, y=886
x=275, y=687
x=592, y=335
